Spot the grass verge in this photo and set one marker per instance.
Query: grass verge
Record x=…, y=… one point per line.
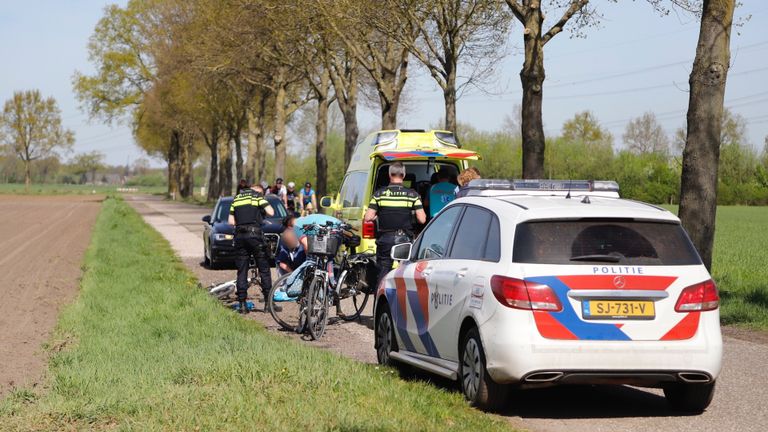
x=144, y=349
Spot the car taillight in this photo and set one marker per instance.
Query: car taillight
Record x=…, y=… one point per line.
x=369, y=231
x=700, y=297
x=519, y=294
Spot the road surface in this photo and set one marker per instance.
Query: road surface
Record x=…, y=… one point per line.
x=740, y=403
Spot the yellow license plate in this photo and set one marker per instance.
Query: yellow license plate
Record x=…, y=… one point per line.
x=618, y=309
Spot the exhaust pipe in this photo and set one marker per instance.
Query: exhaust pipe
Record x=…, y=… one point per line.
x=543, y=377
x=694, y=377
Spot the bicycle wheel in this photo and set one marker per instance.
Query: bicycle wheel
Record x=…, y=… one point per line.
x=287, y=311
x=352, y=300
x=317, y=309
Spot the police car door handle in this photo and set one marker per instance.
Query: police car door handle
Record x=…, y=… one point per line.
x=462, y=272
x=426, y=272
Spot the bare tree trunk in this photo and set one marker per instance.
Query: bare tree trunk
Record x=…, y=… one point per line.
x=390, y=91
x=388, y=115
x=280, y=120
x=252, y=162
x=449, y=96
x=173, y=165
x=237, y=137
x=225, y=168
x=261, y=149
x=698, y=185
x=532, y=78
x=321, y=133
x=344, y=77
x=351, y=132
x=27, y=174
x=213, y=175
x=186, y=183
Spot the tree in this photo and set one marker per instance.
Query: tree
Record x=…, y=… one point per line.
x=357, y=24
x=698, y=189
x=451, y=33
x=530, y=14
x=733, y=130
x=87, y=163
x=134, y=49
x=30, y=127
x=645, y=135
x=344, y=73
x=584, y=128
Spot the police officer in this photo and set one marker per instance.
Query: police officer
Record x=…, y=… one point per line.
x=246, y=214
x=394, y=205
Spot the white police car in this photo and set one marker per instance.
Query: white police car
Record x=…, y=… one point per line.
x=553, y=282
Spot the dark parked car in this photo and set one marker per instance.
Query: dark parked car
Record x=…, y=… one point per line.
x=218, y=236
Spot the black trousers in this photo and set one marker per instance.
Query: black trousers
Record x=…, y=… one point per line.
x=247, y=245
x=384, y=244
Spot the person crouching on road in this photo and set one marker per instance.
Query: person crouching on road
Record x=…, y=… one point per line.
x=246, y=214
x=290, y=254
x=394, y=207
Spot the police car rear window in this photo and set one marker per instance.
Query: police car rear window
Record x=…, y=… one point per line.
x=604, y=241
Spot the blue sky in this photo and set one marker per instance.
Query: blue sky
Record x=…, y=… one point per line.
x=636, y=61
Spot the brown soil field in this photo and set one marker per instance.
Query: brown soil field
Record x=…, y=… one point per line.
x=42, y=239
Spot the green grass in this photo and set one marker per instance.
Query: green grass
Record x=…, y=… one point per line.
x=740, y=264
x=143, y=348
x=70, y=189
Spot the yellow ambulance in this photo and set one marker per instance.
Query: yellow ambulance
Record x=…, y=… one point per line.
x=424, y=153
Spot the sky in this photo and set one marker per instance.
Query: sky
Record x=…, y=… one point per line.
x=635, y=61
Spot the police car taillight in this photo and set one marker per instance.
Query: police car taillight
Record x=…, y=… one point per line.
x=698, y=298
x=369, y=230
x=519, y=294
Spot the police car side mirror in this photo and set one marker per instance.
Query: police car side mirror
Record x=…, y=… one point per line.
x=401, y=252
x=326, y=202
x=207, y=219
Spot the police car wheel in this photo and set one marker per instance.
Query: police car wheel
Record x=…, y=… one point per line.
x=385, y=337
x=476, y=384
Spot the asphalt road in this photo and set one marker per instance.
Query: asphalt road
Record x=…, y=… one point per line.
x=740, y=402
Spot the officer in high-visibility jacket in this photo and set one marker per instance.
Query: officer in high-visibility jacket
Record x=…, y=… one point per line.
x=394, y=206
x=246, y=213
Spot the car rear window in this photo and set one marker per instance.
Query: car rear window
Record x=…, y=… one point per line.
x=604, y=241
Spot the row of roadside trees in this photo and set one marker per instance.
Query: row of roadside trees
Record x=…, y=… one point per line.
x=209, y=77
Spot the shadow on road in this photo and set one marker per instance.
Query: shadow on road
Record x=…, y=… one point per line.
x=568, y=402
x=580, y=402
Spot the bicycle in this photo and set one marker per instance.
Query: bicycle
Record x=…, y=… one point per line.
x=307, y=309
x=224, y=290
x=352, y=283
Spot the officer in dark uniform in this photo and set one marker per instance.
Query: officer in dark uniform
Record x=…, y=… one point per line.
x=394, y=206
x=246, y=214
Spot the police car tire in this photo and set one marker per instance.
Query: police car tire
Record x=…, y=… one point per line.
x=384, y=318
x=689, y=398
x=481, y=392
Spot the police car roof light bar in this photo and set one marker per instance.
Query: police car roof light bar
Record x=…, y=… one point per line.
x=544, y=185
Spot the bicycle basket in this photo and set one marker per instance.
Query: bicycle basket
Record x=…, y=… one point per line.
x=323, y=245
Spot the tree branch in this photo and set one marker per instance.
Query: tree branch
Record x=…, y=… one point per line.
x=576, y=5
x=517, y=10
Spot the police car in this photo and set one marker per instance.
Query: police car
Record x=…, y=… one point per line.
x=539, y=283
